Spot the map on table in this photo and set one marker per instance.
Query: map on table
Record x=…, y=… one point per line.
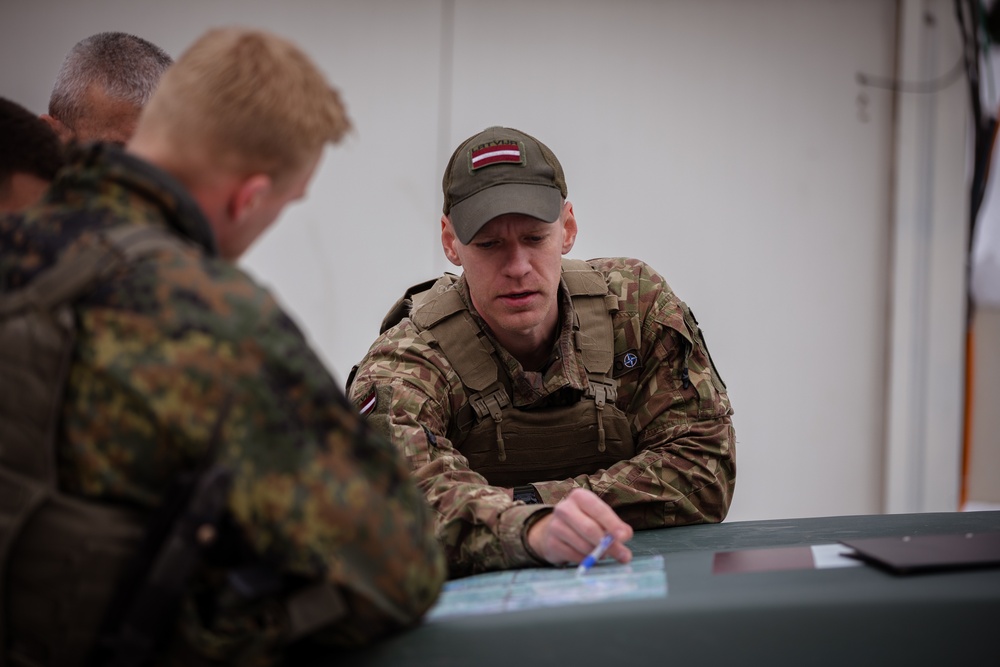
x=515, y=590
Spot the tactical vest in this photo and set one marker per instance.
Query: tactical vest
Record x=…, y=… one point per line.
x=511, y=446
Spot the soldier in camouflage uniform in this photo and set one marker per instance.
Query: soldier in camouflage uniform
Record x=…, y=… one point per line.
x=544, y=402
x=233, y=133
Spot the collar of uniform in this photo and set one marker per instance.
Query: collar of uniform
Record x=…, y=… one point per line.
x=152, y=184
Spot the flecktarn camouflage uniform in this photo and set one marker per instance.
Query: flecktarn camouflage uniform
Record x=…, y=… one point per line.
x=683, y=467
x=161, y=348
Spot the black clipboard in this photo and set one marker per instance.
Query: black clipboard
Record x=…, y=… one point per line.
x=911, y=554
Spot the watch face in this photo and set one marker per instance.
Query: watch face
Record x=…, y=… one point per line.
x=526, y=494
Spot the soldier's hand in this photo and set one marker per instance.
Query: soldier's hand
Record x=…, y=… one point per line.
x=574, y=528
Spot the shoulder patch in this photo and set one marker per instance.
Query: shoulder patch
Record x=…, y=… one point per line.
x=368, y=403
x=626, y=363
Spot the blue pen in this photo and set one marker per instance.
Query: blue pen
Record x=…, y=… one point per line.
x=594, y=555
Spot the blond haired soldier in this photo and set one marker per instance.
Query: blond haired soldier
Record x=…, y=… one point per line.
x=306, y=526
x=544, y=403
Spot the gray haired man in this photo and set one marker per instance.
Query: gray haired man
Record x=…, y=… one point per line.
x=102, y=85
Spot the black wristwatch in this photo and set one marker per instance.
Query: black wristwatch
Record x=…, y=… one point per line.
x=527, y=494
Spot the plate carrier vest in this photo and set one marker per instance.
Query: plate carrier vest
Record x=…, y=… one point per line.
x=511, y=446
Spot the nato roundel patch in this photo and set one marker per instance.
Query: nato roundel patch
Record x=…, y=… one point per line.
x=368, y=403
x=626, y=362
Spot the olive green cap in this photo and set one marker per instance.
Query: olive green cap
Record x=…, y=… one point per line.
x=501, y=170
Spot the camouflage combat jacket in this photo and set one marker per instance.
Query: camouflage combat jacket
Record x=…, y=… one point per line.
x=161, y=347
x=676, y=404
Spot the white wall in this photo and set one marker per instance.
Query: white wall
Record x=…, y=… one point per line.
x=727, y=143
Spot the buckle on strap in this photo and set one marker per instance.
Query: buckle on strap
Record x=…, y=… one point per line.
x=491, y=403
x=602, y=391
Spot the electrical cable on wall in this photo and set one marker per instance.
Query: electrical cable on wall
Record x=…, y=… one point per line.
x=971, y=20
x=932, y=86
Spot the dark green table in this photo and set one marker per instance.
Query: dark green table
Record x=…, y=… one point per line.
x=843, y=617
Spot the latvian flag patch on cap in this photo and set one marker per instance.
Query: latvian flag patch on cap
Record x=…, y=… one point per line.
x=493, y=153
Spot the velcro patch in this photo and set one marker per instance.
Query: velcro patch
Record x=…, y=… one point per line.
x=368, y=403
x=493, y=153
x=626, y=363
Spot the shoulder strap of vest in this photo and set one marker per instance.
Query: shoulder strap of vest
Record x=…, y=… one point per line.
x=593, y=307
x=595, y=337
x=435, y=303
x=404, y=306
x=462, y=340
x=401, y=309
x=443, y=314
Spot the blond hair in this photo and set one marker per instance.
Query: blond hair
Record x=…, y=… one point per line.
x=249, y=100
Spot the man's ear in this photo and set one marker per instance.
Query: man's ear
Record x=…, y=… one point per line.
x=569, y=228
x=449, y=241
x=62, y=130
x=247, y=196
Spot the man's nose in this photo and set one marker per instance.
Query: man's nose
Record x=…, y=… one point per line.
x=518, y=261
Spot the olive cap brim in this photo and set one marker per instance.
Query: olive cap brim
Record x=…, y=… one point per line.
x=538, y=201
x=500, y=171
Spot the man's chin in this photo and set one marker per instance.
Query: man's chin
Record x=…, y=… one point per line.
x=520, y=324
